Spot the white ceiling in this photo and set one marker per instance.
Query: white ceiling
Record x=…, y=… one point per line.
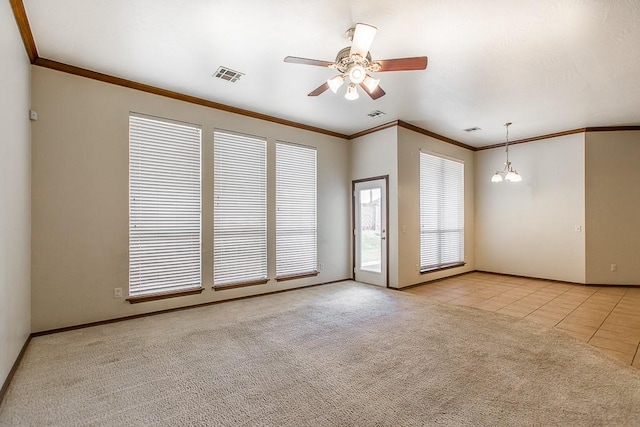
x=545, y=65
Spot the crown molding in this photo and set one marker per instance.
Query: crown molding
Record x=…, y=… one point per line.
x=564, y=133
x=611, y=128
x=373, y=130
x=534, y=138
x=422, y=131
x=414, y=128
x=24, y=28
x=20, y=15
x=82, y=72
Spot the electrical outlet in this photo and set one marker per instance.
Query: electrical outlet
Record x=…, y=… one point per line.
x=322, y=266
x=578, y=228
x=614, y=268
x=117, y=292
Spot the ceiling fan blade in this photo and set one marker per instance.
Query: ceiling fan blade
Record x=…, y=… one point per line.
x=403, y=64
x=320, y=89
x=306, y=61
x=362, y=39
x=375, y=94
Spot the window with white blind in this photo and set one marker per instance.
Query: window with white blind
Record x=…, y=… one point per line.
x=441, y=212
x=164, y=206
x=240, y=209
x=296, y=222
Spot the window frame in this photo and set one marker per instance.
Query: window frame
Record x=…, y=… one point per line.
x=284, y=268
x=143, y=213
x=440, y=265
x=261, y=277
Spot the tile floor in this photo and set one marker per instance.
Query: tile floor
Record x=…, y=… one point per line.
x=607, y=317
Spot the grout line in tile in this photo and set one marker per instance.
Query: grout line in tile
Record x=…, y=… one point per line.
x=582, y=303
x=523, y=297
x=605, y=319
x=559, y=296
x=542, y=306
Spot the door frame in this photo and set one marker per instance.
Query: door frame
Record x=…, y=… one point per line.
x=353, y=222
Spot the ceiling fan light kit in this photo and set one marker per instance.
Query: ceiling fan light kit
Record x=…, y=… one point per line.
x=371, y=83
x=507, y=174
x=335, y=83
x=355, y=63
x=357, y=74
x=352, y=92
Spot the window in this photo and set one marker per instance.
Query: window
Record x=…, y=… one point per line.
x=164, y=206
x=240, y=209
x=441, y=213
x=296, y=229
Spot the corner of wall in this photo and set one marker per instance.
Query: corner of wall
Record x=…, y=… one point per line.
x=15, y=193
x=409, y=145
x=533, y=228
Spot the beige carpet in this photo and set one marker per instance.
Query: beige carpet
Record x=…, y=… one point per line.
x=336, y=355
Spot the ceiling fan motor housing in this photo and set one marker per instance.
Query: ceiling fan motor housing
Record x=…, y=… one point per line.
x=345, y=61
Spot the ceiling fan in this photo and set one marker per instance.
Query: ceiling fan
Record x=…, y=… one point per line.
x=355, y=63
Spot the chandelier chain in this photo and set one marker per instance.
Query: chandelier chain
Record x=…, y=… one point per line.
x=507, y=139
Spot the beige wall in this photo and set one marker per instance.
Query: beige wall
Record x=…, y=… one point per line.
x=613, y=207
x=15, y=182
x=409, y=145
x=394, y=152
x=374, y=155
x=529, y=228
x=80, y=198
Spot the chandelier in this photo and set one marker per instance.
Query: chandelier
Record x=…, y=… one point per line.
x=508, y=174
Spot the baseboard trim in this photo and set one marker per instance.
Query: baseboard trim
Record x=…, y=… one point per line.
x=530, y=277
x=170, y=310
x=516, y=276
x=433, y=281
x=619, y=285
x=567, y=282
x=13, y=369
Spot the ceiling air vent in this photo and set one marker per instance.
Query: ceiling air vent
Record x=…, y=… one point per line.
x=473, y=129
x=228, y=74
x=376, y=113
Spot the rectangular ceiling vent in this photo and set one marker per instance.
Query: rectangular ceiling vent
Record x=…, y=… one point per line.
x=376, y=113
x=228, y=74
x=473, y=129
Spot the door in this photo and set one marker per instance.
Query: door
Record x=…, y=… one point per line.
x=370, y=231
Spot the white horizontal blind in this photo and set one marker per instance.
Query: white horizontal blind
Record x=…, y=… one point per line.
x=164, y=206
x=240, y=208
x=296, y=222
x=441, y=212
